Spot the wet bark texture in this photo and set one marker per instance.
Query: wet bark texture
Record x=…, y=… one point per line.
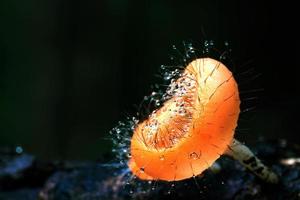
x=22, y=176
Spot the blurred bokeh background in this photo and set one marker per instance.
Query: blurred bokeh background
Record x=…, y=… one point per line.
x=70, y=70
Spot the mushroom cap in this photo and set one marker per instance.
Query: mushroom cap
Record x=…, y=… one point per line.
x=192, y=129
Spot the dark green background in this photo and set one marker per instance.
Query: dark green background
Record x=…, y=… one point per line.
x=69, y=70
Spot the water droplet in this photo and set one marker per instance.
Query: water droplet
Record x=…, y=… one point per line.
x=167, y=76
x=19, y=150
x=222, y=57
x=161, y=157
x=206, y=43
x=194, y=156
x=142, y=170
x=157, y=103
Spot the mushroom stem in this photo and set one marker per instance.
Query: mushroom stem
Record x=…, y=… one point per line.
x=245, y=156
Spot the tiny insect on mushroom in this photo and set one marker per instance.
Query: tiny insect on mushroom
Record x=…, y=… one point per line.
x=193, y=128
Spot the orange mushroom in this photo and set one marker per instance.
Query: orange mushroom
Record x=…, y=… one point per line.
x=193, y=128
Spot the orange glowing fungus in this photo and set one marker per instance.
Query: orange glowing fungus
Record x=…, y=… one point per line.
x=192, y=129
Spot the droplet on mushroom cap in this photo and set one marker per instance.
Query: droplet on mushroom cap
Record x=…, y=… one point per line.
x=192, y=129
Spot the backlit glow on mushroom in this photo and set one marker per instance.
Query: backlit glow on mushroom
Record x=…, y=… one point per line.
x=193, y=128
